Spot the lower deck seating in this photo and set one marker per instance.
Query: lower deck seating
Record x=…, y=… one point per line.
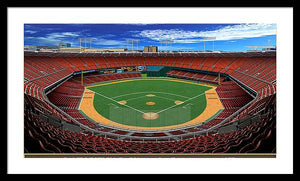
x=195, y=76
x=232, y=97
x=258, y=137
x=93, y=78
x=68, y=95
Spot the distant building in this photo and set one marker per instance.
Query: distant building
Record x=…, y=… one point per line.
x=49, y=49
x=91, y=50
x=28, y=48
x=269, y=49
x=72, y=49
x=64, y=45
x=151, y=49
x=38, y=47
x=105, y=49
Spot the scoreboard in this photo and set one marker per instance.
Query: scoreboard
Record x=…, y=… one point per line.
x=130, y=69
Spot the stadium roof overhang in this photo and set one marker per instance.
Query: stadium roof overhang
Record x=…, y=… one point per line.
x=155, y=54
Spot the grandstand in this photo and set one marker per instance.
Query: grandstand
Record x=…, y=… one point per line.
x=54, y=86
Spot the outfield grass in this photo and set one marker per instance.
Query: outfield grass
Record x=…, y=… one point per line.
x=161, y=93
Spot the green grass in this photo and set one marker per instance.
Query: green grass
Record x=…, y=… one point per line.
x=134, y=92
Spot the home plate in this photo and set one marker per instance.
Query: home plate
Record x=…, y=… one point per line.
x=150, y=115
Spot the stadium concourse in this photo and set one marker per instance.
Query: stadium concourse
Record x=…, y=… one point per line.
x=246, y=86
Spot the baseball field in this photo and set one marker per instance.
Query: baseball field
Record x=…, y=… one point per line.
x=150, y=103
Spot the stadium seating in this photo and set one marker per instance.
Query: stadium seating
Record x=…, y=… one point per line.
x=244, y=140
x=257, y=74
x=195, y=76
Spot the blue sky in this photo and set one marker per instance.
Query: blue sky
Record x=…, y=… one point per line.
x=186, y=37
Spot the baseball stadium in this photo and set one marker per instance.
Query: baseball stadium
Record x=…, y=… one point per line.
x=149, y=103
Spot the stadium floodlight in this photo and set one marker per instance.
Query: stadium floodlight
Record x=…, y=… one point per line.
x=209, y=39
x=137, y=44
x=132, y=41
x=166, y=41
x=84, y=40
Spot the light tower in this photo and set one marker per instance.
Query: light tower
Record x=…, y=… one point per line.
x=208, y=39
x=84, y=40
x=132, y=41
x=166, y=41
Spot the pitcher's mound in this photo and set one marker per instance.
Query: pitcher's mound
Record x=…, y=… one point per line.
x=150, y=95
x=150, y=103
x=122, y=102
x=178, y=102
x=150, y=115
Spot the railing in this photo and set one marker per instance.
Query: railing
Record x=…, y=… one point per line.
x=56, y=84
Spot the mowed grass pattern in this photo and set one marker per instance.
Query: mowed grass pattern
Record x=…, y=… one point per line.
x=135, y=93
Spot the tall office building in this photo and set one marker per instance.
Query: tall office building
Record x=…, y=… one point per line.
x=151, y=49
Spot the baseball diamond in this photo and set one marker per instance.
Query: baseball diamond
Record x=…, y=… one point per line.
x=195, y=107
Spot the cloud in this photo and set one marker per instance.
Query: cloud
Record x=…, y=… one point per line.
x=105, y=36
x=104, y=41
x=187, y=41
x=72, y=37
x=53, y=38
x=30, y=31
x=41, y=41
x=63, y=35
x=230, y=32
